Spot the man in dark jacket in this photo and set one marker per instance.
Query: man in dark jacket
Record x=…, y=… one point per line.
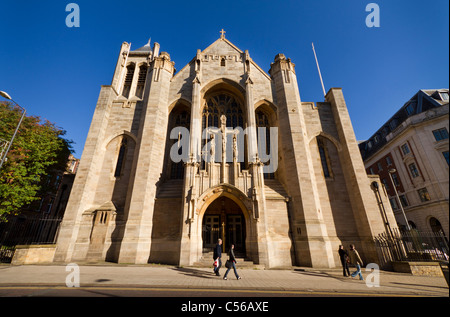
x=343, y=255
x=217, y=256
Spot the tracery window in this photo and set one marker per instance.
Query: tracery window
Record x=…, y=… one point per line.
x=215, y=107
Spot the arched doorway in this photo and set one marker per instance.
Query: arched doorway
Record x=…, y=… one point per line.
x=224, y=219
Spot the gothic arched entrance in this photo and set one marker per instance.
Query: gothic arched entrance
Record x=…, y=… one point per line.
x=225, y=212
x=224, y=219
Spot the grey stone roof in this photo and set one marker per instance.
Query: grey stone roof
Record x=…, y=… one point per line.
x=423, y=100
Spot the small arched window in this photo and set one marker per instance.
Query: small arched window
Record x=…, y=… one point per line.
x=121, y=157
x=324, y=158
x=128, y=81
x=436, y=225
x=222, y=61
x=141, y=81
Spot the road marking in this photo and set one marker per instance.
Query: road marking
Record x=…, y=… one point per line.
x=295, y=292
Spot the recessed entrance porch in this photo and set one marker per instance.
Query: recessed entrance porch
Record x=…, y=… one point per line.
x=224, y=219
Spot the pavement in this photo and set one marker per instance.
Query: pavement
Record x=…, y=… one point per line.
x=295, y=281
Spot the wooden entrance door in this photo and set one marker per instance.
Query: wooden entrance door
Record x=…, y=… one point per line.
x=211, y=231
x=235, y=233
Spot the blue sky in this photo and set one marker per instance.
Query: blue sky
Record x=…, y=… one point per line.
x=55, y=72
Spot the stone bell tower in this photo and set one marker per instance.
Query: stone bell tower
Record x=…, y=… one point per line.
x=312, y=244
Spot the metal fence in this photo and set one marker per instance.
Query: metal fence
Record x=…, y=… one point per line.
x=411, y=245
x=26, y=231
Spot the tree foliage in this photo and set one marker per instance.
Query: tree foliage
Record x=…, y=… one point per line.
x=38, y=148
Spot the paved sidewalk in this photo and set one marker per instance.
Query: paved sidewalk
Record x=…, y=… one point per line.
x=324, y=282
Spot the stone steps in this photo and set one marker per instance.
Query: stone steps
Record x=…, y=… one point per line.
x=207, y=261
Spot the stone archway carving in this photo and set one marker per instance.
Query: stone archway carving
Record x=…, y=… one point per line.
x=228, y=191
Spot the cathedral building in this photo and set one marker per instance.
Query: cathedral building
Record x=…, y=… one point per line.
x=175, y=160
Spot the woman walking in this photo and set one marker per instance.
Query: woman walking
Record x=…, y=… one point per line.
x=231, y=263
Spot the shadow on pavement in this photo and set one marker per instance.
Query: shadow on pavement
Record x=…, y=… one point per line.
x=195, y=272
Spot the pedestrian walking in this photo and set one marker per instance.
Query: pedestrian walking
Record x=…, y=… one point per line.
x=356, y=261
x=343, y=255
x=231, y=263
x=218, y=256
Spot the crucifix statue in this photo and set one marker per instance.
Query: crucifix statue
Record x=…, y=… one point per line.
x=223, y=128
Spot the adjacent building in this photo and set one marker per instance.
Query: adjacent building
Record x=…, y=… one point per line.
x=410, y=153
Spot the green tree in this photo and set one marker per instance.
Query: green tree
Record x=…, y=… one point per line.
x=38, y=148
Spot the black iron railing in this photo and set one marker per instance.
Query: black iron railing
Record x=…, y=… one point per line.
x=411, y=245
x=26, y=231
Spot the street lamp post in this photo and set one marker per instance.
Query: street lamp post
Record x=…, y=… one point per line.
x=392, y=171
x=6, y=96
x=375, y=187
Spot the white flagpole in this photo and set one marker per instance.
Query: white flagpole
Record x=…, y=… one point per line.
x=318, y=68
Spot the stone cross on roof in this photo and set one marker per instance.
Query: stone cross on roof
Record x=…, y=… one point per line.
x=222, y=34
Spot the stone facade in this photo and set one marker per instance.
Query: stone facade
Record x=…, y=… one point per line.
x=415, y=149
x=132, y=203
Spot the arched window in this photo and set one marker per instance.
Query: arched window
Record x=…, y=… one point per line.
x=181, y=119
x=141, y=81
x=121, y=157
x=222, y=61
x=128, y=81
x=222, y=104
x=215, y=107
x=262, y=121
x=435, y=225
x=326, y=167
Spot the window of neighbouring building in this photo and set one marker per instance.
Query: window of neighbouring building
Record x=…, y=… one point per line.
x=394, y=204
x=393, y=124
x=404, y=201
x=424, y=195
x=385, y=183
x=444, y=95
x=440, y=134
x=376, y=139
x=388, y=161
x=380, y=167
x=436, y=225
x=413, y=170
x=410, y=109
x=405, y=149
x=445, y=154
x=395, y=179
